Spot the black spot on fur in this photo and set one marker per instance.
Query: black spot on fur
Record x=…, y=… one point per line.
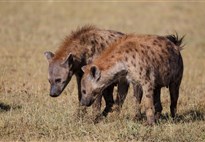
x=112, y=35
x=126, y=59
x=101, y=38
x=150, y=89
x=148, y=71
x=143, y=52
x=155, y=41
x=169, y=44
x=140, y=69
x=102, y=45
x=164, y=52
x=152, y=52
x=143, y=46
x=148, y=58
x=159, y=45
x=161, y=58
x=119, y=33
x=148, y=47
x=96, y=42
x=160, y=38
x=93, y=50
x=148, y=96
x=92, y=42
x=136, y=49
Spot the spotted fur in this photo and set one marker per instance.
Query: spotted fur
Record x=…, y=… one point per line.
x=157, y=63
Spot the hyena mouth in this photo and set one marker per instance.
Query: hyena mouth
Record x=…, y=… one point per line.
x=55, y=94
x=86, y=101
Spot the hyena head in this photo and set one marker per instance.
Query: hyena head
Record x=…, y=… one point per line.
x=92, y=84
x=59, y=73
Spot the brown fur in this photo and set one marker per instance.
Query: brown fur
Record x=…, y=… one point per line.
x=77, y=50
x=155, y=67
x=73, y=39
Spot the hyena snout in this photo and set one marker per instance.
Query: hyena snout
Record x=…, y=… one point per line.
x=86, y=101
x=55, y=91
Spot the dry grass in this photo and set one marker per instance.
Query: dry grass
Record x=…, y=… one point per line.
x=28, y=113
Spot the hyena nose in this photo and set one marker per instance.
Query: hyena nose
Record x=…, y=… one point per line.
x=53, y=92
x=85, y=102
x=54, y=95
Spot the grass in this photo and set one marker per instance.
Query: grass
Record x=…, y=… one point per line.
x=28, y=113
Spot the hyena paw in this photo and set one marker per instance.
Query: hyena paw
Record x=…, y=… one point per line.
x=150, y=121
x=157, y=116
x=138, y=116
x=98, y=118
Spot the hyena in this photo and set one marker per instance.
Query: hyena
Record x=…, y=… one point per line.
x=149, y=61
x=76, y=51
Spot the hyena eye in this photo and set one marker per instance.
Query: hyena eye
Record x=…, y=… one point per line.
x=58, y=80
x=49, y=80
x=84, y=92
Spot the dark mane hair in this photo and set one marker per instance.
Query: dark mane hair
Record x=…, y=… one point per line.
x=64, y=49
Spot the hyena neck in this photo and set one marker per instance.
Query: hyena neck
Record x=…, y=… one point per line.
x=92, y=44
x=114, y=73
x=85, y=43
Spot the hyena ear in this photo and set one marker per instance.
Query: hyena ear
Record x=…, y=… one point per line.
x=83, y=68
x=49, y=55
x=68, y=60
x=95, y=72
x=89, y=60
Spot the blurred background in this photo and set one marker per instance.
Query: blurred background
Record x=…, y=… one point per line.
x=27, y=29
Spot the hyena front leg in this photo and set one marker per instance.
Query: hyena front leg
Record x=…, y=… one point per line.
x=108, y=96
x=96, y=107
x=148, y=91
x=138, y=95
x=157, y=102
x=123, y=87
x=81, y=109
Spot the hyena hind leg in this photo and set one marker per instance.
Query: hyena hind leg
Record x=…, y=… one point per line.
x=157, y=102
x=137, y=88
x=174, y=95
x=108, y=97
x=148, y=92
x=123, y=87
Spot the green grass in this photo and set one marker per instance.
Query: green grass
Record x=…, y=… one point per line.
x=28, y=113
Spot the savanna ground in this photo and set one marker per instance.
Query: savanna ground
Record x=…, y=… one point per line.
x=28, y=113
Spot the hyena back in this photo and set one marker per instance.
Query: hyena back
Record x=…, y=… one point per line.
x=151, y=61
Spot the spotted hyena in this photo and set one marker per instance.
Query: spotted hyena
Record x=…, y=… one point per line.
x=76, y=51
x=149, y=61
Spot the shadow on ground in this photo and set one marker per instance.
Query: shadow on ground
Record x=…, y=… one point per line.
x=5, y=107
x=188, y=116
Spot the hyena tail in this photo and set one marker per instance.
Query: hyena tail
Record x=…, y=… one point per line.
x=176, y=40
